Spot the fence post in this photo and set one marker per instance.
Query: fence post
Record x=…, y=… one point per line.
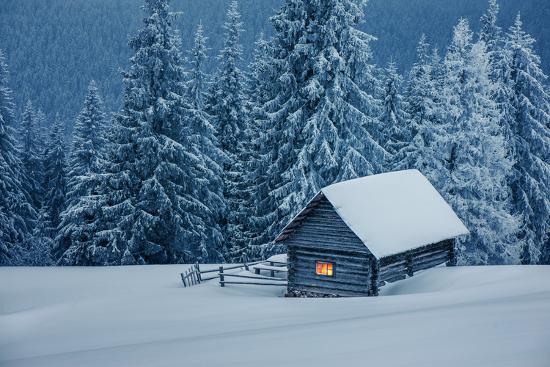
x=272, y=272
x=183, y=280
x=198, y=271
x=221, y=277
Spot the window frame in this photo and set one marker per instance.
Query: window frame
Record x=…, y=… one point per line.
x=331, y=263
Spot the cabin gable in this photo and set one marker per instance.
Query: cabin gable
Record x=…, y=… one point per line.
x=321, y=236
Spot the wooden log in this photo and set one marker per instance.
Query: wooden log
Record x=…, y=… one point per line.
x=425, y=255
x=356, y=281
x=443, y=245
x=429, y=264
x=336, y=291
x=398, y=265
x=253, y=283
x=392, y=275
x=358, y=260
x=396, y=278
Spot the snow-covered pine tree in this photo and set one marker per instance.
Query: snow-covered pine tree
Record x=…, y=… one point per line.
x=41, y=125
x=81, y=216
x=87, y=145
x=499, y=69
x=323, y=115
x=259, y=87
x=395, y=135
x=55, y=178
x=151, y=202
x=31, y=155
x=210, y=246
x=475, y=165
x=38, y=247
x=420, y=107
x=530, y=179
x=490, y=32
x=16, y=213
x=227, y=104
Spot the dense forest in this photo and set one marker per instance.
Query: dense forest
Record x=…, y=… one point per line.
x=227, y=121
x=55, y=47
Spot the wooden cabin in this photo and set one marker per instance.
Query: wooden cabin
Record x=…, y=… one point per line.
x=357, y=235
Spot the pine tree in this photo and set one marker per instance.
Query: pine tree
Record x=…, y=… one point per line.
x=499, y=69
x=422, y=112
x=38, y=247
x=474, y=166
x=82, y=215
x=149, y=200
x=525, y=257
x=530, y=179
x=16, y=214
x=31, y=155
x=55, y=177
x=323, y=114
x=392, y=120
x=210, y=247
x=227, y=106
x=87, y=145
x=259, y=84
x=490, y=32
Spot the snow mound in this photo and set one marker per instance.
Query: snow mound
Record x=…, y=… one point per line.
x=141, y=316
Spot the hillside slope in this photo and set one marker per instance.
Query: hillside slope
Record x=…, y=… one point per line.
x=140, y=316
x=54, y=48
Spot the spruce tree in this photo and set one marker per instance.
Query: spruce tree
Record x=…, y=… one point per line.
x=38, y=247
x=210, y=246
x=259, y=88
x=227, y=106
x=422, y=112
x=87, y=145
x=16, y=213
x=474, y=163
x=82, y=215
x=323, y=113
x=149, y=201
x=31, y=155
x=530, y=128
x=55, y=177
x=392, y=120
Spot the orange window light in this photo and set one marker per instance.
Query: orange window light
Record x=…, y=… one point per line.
x=324, y=268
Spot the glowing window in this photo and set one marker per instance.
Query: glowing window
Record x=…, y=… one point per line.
x=324, y=268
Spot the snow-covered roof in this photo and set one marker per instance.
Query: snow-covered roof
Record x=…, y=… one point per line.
x=394, y=212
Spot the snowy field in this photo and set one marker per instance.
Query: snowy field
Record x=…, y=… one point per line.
x=141, y=316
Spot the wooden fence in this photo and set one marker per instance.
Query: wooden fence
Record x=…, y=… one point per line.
x=191, y=276
x=194, y=275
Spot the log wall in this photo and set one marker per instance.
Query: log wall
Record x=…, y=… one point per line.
x=405, y=264
x=323, y=236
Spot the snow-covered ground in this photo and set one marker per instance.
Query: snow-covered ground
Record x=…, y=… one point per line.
x=141, y=316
